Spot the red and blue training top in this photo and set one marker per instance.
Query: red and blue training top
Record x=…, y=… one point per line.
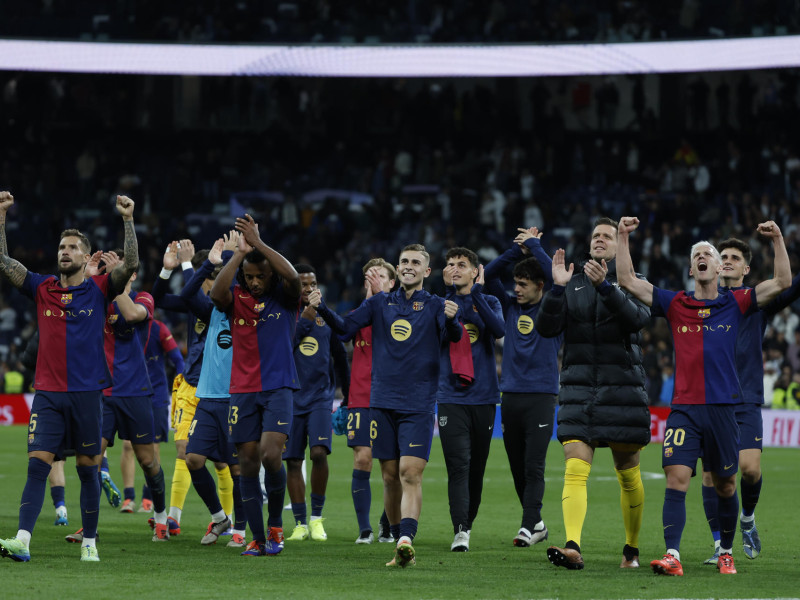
x=704, y=334
x=70, y=322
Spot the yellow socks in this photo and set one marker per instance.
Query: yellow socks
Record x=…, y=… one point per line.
x=631, y=500
x=573, y=498
x=181, y=480
x=225, y=489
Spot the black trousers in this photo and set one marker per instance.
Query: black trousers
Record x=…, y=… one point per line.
x=466, y=434
x=527, y=421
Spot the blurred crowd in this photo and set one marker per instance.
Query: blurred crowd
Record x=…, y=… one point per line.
x=393, y=21
x=339, y=171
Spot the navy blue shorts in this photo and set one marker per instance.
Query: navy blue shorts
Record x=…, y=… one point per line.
x=707, y=431
x=161, y=422
x=751, y=426
x=62, y=421
x=130, y=417
x=314, y=426
x=254, y=413
x=209, y=433
x=358, y=421
x=396, y=434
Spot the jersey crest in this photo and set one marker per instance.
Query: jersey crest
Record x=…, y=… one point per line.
x=418, y=305
x=66, y=299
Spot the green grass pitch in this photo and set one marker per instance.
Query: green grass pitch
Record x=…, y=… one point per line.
x=134, y=567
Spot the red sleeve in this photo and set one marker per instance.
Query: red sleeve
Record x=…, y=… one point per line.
x=103, y=282
x=147, y=301
x=165, y=338
x=746, y=299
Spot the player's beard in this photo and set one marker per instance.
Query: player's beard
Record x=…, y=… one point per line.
x=70, y=269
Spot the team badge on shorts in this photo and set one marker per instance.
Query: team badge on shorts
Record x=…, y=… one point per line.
x=418, y=305
x=442, y=421
x=668, y=452
x=351, y=435
x=704, y=312
x=66, y=298
x=30, y=438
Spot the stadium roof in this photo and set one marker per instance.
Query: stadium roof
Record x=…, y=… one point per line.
x=401, y=61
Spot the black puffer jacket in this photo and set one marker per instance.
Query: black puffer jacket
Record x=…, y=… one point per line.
x=602, y=397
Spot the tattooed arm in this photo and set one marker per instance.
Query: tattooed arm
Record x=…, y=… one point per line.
x=121, y=275
x=11, y=269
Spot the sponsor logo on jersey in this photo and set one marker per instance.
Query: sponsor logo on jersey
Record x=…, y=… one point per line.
x=721, y=328
x=66, y=298
x=473, y=332
x=225, y=339
x=199, y=327
x=308, y=346
x=418, y=305
x=524, y=324
x=401, y=330
x=254, y=322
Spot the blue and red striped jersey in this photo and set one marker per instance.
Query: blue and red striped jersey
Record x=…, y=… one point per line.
x=704, y=334
x=263, y=339
x=124, y=346
x=70, y=322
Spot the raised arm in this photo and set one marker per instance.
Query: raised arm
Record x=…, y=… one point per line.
x=641, y=289
x=492, y=315
x=768, y=290
x=346, y=326
x=530, y=241
x=200, y=304
x=132, y=312
x=249, y=230
x=221, y=294
x=121, y=275
x=11, y=269
x=553, y=311
x=498, y=266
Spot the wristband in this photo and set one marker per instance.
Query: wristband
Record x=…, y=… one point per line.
x=187, y=264
x=165, y=273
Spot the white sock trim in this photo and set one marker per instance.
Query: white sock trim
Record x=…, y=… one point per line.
x=674, y=553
